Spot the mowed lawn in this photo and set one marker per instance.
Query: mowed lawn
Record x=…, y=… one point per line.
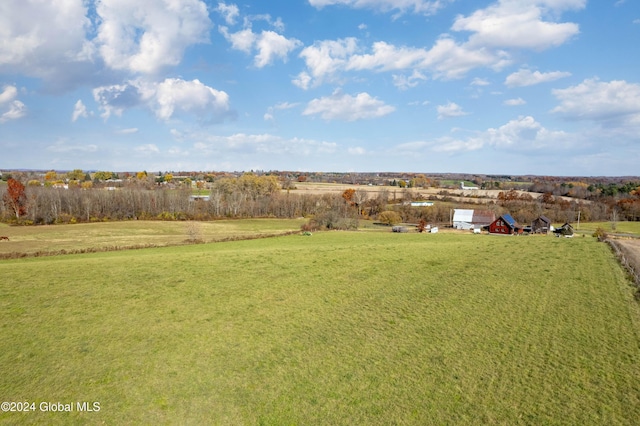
x=340, y=328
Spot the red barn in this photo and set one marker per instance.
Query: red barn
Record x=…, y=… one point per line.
x=505, y=225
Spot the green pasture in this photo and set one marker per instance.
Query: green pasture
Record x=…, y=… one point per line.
x=632, y=228
x=339, y=328
x=101, y=235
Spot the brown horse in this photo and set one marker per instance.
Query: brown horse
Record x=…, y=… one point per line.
x=4, y=238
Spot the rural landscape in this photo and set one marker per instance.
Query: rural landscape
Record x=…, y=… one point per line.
x=287, y=298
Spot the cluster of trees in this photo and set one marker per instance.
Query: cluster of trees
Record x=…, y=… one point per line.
x=246, y=196
x=253, y=195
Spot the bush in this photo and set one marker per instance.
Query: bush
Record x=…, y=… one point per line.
x=600, y=234
x=389, y=217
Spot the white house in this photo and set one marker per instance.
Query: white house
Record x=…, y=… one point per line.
x=463, y=187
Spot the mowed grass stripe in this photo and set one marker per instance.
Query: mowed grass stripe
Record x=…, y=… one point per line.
x=337, y=328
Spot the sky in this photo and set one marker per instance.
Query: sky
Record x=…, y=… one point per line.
x=543, y=87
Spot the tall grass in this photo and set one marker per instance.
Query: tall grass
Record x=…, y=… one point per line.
x=337, y=328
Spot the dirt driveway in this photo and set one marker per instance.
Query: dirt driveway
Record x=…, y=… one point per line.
x=631, y=250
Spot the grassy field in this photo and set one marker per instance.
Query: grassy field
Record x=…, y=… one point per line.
x=337, y=328
x=54, y=238
x=632, y=228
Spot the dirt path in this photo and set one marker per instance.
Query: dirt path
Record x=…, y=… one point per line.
x=631, y=250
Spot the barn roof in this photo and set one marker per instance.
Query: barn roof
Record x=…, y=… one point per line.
x=483, y=216
x=462, y=215
x=510, y=220
x=544, y=219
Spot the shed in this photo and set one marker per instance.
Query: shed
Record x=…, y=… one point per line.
x=541, y=225
x=565, y=230
x=505, y=225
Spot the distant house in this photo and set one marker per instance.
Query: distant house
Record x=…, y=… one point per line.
x=565, y=230
x=505, y=225
x=421, y=203
x=199, y=197
x=472, y=219
x=541, y=225
x=464, y=187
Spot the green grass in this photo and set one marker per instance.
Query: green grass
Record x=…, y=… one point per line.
x=32, y=239
x=632, y=228
x=337, y=328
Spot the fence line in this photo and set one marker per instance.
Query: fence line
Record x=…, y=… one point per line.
x=619, y=251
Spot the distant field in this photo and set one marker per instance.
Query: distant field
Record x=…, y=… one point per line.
x=341, y=328
x=620, y=227
x=31, y=239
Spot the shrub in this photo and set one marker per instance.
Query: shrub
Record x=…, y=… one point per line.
x=389, y=217
x=600, y=234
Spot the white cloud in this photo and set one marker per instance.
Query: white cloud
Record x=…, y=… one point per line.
x=165, y=99
x=524, y=134
x=303, y=80
x=504, y=25
x=269, y=45
x=8, y=94
x=404, y=82
x=144, y=36
x=116, y=98
x=278, y=107
x=518, y=24
x=229, y=12
x=128, y=131
x=345, y=107
x=357, y=150
x=446, y=59
x=614, y=101
x=188, y=96
x=79, y=110
x=515, y=102
x=242, y=40
x=10, y=107
x=450, y=110
x=449, y=59
x=324, y=59
x=64, y=147
x=525, y=77
x=263, y=144
x=425, y=7
x=44, y=39
x=16, y=110
x=147, y=149
x=480, y=82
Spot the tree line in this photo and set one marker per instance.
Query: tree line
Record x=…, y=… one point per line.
x=251, y=195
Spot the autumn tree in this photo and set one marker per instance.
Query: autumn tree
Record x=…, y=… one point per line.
x=76, y=174
x=389, y=217
x=348, y=195
x=15, y=198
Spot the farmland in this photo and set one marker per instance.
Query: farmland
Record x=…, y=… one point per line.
x=139, y=233
x=336, y=328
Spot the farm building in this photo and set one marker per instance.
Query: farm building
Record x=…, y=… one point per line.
x=565, y=230
x=505, y=225
x=541, y=225
x=471, y=219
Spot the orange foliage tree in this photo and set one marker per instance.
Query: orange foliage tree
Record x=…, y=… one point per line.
x=15, y=198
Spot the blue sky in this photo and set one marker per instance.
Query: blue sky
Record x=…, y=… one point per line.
x=545, y=87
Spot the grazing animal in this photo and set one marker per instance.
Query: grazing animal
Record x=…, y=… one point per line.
x=4, y=238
